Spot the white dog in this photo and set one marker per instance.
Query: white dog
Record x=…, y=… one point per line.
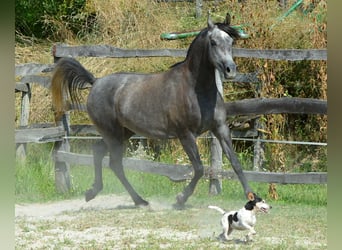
x=244, y=219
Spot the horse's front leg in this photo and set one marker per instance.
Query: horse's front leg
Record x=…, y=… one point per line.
x=188, y=142
x=222, y=133
x=99, y=152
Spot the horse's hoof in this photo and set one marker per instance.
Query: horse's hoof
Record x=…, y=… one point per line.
x=142, y=203
x=180, y=201
x=178, y=206
x=89, y=195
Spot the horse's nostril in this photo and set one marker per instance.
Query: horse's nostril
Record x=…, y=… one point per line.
x=228, y=69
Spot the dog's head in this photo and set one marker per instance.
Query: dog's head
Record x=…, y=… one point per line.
x=255, y=202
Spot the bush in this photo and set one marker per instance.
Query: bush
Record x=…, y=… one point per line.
x=52, y=19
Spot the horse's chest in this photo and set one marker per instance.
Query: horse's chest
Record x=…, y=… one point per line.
x=207, y=105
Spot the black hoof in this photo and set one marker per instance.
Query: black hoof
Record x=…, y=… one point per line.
x=89, y=195
x=142, y=203
x=180, y=204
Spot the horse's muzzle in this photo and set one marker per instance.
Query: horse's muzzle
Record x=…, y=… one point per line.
x=230, y=71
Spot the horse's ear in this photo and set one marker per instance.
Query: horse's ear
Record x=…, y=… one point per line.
x=227, y=20
x=210, y=23
x=250, y=196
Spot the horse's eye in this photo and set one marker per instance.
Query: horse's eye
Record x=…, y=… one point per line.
x=213, y=43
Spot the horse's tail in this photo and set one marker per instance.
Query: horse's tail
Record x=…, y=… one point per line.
x=68, y=77
x=217, y=209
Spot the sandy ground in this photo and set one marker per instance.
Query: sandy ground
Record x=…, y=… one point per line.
x=112, y=222
x=33, y=222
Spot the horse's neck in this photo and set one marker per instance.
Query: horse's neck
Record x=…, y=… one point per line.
x=202, y=72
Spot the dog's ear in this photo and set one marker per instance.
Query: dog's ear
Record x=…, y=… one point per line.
x=250, y=196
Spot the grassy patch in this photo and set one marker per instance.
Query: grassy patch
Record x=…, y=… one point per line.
x=35, y=183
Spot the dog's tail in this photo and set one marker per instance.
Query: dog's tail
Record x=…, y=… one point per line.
x=217, y=209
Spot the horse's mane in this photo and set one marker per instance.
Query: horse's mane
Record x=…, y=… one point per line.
x=231, y=31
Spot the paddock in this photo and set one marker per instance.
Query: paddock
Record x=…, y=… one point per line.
x=67, y=224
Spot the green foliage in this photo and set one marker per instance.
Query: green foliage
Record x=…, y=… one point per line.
x=47, y=18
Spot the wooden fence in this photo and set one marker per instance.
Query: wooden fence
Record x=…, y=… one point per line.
x=31, y=73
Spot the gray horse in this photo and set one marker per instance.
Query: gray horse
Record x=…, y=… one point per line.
x=182, y=102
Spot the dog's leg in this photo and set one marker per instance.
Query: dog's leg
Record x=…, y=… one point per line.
x=226, y=228
x=226, y=232
x=251, y=232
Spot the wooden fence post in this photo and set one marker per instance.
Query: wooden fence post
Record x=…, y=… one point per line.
x=199, y=5
x=24, y=119
x=62, y=175
x=215, y=183
x=258, y=150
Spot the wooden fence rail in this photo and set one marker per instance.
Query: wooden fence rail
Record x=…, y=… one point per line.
x=106, y=51
x=176, y=172
x=256, y=106
x=32, y=73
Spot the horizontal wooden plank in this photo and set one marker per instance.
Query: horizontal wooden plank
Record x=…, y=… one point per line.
x=281, y=178
x=87, y=129
x=39, y=135
x=245, y=78
x=32, y=68
x=44, y=81
x=286, y=105
x=290, y=105
x=184, y=172
x=113, y=52
x=21, y=87
x=174, y=173
x=241, y=107
x=62, y=50
x=282, y=54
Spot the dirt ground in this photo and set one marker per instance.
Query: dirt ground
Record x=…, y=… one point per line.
x=112, y=222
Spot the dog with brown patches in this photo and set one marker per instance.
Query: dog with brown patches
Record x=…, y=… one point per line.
x=243, y=219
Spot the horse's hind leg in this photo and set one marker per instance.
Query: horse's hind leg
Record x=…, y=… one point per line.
x=99, y=151
x=116, y=150
x=189, y=145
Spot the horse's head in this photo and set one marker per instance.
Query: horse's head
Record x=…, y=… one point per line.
x=221, y=37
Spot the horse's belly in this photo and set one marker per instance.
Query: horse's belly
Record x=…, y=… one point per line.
x=148, y=130
x=148, y=124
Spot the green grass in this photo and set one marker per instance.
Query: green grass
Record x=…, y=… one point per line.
x=35, y=183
